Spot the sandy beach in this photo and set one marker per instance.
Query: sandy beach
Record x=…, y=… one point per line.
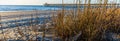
x=12, y=15
x=9, y=13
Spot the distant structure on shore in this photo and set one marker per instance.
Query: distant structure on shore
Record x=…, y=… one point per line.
x=46, y=4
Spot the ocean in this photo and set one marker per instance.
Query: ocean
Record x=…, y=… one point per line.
x=28, y=7
x=37, y=7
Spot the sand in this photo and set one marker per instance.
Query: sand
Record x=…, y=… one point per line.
x=12, y=15
x=8, y=13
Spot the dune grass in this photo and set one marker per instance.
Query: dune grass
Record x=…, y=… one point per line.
x=93, y=23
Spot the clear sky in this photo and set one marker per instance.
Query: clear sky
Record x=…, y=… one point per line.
x=30, y=2
x=35, y=2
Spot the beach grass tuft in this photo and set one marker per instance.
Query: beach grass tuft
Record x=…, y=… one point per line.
x=93, y=24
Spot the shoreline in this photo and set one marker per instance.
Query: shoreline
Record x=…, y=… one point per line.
x=27, y=10
x=14, y=15
x=8, y=13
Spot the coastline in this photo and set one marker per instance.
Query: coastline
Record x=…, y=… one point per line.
x=6, y=13
x=17, y=15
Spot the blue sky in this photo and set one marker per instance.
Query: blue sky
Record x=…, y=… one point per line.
x=38, y=2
